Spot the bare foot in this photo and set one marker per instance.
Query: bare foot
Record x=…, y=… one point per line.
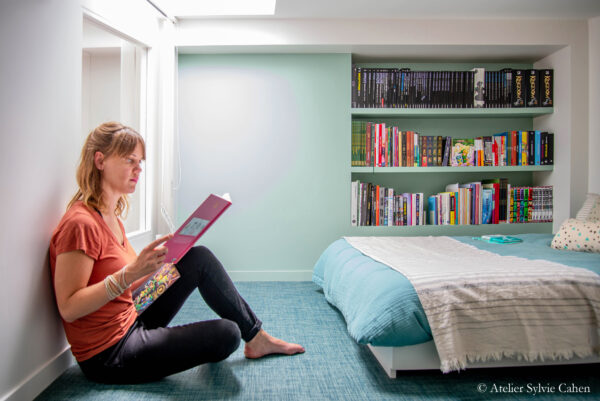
x=264, y=344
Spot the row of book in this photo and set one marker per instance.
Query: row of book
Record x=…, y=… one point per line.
x=403, y=88
x=381, y=145
x=490, y=201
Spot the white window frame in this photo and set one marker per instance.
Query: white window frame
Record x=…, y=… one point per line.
x=145, y=90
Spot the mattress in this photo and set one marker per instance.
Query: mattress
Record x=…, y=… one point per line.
x=380, y=305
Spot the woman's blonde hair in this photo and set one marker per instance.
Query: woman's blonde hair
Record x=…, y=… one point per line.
x=110, y=138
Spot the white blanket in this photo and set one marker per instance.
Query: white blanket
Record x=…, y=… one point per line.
x=482, y=306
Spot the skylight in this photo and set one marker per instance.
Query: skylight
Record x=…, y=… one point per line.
x=208, y=8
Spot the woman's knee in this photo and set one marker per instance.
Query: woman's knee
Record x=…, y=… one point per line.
x=198, y=258
x=228, y=336
x=201, y=252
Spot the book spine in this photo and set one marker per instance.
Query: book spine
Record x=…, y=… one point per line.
x=353, y=102
x=416, y=153
x=533, y=89
x=368, y=144
x=531, y=148
x=550, y=148
x=377, y=207
x=370, y=205
x=508, y=87
x=523, y=148
x=538, y=148
x=390, y=207
x=406, y=148
x=547, y=83
x=518, y=88
x=405, y=209
x=447, y=148
x=544, y=148
x=354, y=203
x=479, y=87
x=514, y=147
x=431, y=210
x=487, y=151
x=416, y=209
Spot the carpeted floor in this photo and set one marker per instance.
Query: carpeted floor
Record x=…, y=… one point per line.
x=334, y=367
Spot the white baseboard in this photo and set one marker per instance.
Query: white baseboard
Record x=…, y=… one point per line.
x=283, y=275
x=37, y=382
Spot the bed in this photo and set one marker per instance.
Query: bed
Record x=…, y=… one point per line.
x=383, y=309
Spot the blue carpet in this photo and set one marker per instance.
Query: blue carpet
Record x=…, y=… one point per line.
x=334, y=367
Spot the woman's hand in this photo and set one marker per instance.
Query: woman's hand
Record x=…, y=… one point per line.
x=148, y=261
x=76, y=299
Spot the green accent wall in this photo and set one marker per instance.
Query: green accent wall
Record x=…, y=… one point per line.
x=273, y=130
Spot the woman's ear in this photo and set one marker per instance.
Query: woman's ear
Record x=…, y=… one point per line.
x=99, y=160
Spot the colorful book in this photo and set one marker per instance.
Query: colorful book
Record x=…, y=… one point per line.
x=462, y=152
x=181, y=242
x=487, y=206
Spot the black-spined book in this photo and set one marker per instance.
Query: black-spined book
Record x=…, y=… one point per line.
x=550, y=148
x=547, y=87
x=531, y=148
x=533, y=88
x=518, y=88
x=447, y=149
x=354, y=87
x=544, y=148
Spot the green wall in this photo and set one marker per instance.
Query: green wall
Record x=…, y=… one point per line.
x=272, y=130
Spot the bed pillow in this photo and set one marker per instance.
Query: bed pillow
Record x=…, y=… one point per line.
x=590, y=211
x=577, y=235
x=594, y=213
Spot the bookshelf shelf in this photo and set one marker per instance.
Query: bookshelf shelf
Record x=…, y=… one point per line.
x=474, y=169
x=470, y=230
x=451, y=113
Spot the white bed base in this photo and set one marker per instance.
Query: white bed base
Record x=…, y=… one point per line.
x=424, y=356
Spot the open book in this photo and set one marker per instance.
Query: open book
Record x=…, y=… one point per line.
x=183, y=239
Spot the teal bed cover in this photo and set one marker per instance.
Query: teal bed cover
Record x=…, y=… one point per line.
x=380, y=305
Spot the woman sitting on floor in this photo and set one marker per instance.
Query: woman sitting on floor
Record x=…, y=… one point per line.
x=95, y=269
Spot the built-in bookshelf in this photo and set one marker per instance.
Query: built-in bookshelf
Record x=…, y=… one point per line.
x=454, y=122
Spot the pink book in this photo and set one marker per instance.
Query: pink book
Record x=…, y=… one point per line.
x=183, y=239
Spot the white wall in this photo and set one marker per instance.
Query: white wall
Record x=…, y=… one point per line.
x=40, y=113
x=560, y=123
x=40, y=141
x=594, y=140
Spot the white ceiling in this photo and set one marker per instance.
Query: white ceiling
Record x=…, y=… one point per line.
x=437, y=9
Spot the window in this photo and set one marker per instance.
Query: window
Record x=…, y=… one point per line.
x=114, y=89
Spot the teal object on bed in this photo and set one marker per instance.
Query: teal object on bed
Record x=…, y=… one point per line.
x=380, y=305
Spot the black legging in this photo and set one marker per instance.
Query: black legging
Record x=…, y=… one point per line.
x=150, y=350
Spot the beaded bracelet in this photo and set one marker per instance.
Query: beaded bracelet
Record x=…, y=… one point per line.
x=113, y=287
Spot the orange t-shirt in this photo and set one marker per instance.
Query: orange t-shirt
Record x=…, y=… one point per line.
x=84, y=229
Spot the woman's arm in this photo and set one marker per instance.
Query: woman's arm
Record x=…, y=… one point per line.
x=76, y=299
x=73, y=297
